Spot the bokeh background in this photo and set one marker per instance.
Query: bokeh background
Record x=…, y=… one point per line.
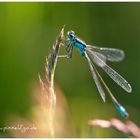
x=27, y=33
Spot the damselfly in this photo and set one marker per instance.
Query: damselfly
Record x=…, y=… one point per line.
x=100, y=56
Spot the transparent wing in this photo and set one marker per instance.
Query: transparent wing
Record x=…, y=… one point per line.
x=112, y=73
x=95, y=77
x=111, y=54
x=102, y=57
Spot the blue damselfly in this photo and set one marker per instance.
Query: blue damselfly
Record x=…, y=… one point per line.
x=99, y=56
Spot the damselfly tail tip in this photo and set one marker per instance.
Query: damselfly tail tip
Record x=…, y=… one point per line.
x=126, y=115
x=121, y=109
x=123, y=112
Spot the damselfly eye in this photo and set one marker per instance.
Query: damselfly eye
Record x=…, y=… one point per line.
x=71, y=33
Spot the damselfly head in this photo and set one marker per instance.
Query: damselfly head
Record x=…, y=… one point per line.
x=71, y=35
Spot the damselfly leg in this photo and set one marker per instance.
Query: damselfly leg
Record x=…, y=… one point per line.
x=69, y=49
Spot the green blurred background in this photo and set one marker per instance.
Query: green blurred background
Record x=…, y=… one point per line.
x=27, y=32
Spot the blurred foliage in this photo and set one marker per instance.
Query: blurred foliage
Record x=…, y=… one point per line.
x=28, y=30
